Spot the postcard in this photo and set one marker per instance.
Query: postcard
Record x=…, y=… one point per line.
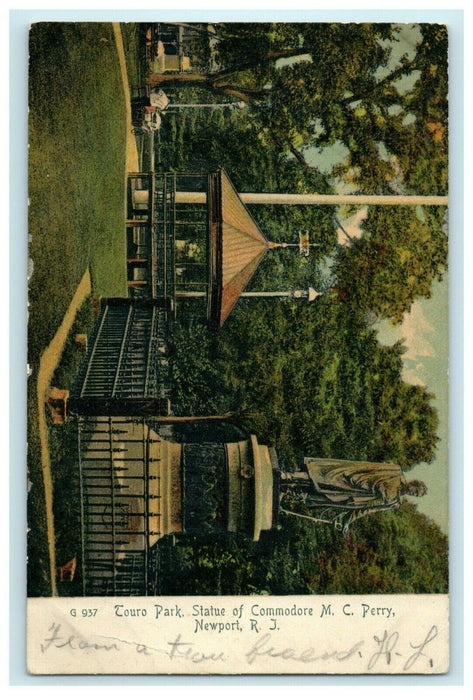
x=238, y=348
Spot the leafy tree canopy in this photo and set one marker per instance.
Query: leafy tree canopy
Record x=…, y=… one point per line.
x=401, y=552
x=402, y=251
x=311, y=380
x=312, y=84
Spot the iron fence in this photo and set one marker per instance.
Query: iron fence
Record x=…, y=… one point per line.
x=120, y=504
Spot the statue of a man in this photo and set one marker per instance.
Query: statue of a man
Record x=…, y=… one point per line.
x=353, y=485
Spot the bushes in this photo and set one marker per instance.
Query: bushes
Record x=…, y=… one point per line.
x=391, y=552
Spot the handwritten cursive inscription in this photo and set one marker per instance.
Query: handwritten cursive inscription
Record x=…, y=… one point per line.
x=186, y=650
x=419, y=649
x=388, y=647
x=71, y=641
x=263, y=647
x=177, y=649
x=388, y=643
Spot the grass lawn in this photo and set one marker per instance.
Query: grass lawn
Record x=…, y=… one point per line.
x=76, y=170
x=77, y=146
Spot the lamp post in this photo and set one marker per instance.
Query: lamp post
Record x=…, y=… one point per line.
x=309, y=294
x=304, y=244
x=215, y=105
x=159, y=100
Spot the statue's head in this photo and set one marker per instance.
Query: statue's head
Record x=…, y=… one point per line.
x=415, y=488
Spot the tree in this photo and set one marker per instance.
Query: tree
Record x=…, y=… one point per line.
x=396, y=141
x=287, y=98
x=405, y=421
x=198, y=388
x=246, y=55
x=396, y=260
x=397, y=135
x=422, y=149
x=389, y=552
x=314, y=381
x=317, y=97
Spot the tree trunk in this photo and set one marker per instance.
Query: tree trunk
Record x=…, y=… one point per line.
x=394, y=75
x=297, y=154
x=179, y=79
x=211, y=80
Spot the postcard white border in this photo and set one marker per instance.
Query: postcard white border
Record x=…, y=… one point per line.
x=19, y=21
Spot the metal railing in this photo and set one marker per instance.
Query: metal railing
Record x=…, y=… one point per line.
x=117, y=505
x=127, y=353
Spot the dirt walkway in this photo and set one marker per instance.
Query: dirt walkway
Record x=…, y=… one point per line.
x=132, y=161
x=48, y=363
x=52, y=355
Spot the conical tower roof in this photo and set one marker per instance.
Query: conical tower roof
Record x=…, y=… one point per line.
x=236, y=248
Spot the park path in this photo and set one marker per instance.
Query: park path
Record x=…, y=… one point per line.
x=51, y=356
x=132, y=161
x=48, y=362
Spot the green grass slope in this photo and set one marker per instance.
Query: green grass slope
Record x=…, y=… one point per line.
x=77, y=134
x=77, y=146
